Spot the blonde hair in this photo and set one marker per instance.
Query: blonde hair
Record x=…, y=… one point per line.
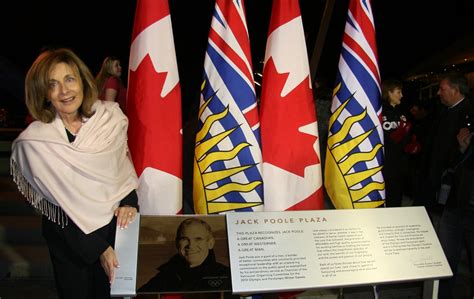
x=37, y=84
x=105, y=72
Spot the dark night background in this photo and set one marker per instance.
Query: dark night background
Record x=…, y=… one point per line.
x=407, y=33
x=412, y=38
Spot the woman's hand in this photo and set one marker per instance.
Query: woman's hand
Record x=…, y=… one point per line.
x=125, y=215
x=109, y=262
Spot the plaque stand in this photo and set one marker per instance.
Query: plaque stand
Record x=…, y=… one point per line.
x=333, y=249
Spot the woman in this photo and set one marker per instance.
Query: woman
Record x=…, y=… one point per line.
x=72, y=165
x=396, y=135
x=109, y=83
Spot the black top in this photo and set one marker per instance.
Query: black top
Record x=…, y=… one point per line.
x=444, y=145
x=442, y=148
x=395, y=158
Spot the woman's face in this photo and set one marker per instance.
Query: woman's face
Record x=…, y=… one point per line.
x=395, y=96
x=116, y=68
x=65, y=90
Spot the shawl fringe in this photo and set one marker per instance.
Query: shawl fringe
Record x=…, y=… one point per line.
x=42, y=205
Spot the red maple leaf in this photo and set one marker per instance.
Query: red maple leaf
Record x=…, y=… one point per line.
x=281, y=117
x=154, y=134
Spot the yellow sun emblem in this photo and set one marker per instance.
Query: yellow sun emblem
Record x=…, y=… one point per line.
x=209, y=199
x=340, y=183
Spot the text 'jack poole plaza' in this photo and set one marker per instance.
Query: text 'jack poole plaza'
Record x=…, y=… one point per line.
x=281, y=220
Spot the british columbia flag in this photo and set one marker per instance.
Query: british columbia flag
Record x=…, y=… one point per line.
x=354, y=160
x=227, y=162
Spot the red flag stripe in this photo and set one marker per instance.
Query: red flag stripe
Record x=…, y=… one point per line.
x=356, y=48
x=365, y=24
x=231, y=54
x=237, y=26
x=252, y=117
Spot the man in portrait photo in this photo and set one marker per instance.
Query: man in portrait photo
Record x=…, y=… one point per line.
x=194, y=267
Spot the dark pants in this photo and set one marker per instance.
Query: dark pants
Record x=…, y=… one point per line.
x=456, y=230
x=75, y=279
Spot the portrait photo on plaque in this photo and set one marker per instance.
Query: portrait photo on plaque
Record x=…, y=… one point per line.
x=184, y=253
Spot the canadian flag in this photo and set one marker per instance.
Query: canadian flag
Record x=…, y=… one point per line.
x=290, y=144
x=154, y=110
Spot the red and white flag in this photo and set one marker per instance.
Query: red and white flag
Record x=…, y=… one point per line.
x=290, y=143
x=154, y=110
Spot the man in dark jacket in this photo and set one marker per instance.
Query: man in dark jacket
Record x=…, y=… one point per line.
x=456, y=228
x=443, y=151
x=194, y=267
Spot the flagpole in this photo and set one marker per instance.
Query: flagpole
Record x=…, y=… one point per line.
x=341, y=293
x=376, y=292
x=318, y=45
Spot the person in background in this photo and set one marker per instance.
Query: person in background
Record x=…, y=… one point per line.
x=72, y=165
x=422, y=120
x=109, y=82
x=442, y=145
x=194, y=267
x=456, y=229
x=396, y=129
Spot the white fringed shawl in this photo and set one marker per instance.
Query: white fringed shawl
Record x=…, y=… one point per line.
x=86, y=178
